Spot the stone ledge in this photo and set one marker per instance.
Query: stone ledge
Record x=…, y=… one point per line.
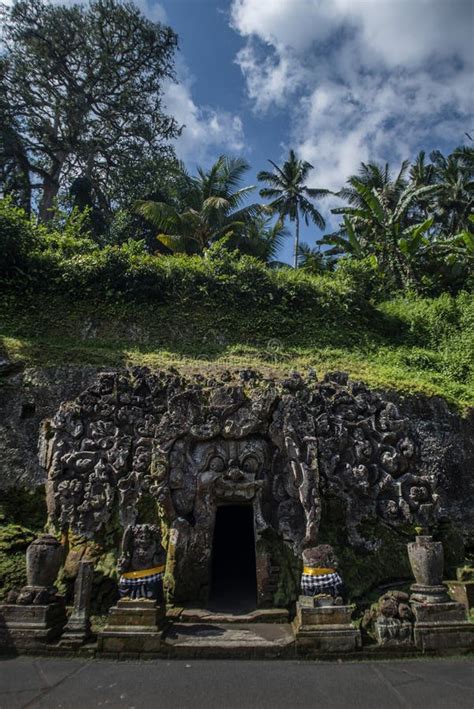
x=24, y=627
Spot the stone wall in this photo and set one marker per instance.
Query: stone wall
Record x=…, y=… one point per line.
x=371, y=547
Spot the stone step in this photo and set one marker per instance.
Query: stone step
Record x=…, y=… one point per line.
x=230, y=640
x=204, y=615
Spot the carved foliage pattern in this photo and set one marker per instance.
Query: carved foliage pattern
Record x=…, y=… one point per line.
x=136, y=433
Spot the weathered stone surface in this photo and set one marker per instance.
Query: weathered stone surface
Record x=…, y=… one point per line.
x=390, y=620
x=326, y=629
x=27, y=398
x=78, y=628
x=442, y=626
x=132, y=442
x=192, y=445
x=133, y=626
x=462, y=592
x=223, y=639
x=31, y=627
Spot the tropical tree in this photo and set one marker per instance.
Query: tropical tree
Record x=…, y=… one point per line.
x=263, y=238
x=380, y=227
x=375, y=176
x=454, y=198
x=80, y=90
x=313, y=260
x=290, y=197
x=206, y=208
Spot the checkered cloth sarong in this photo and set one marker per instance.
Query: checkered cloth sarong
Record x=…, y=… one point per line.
x=330, y=584
x=144, y=587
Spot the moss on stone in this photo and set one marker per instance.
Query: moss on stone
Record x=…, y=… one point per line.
x=22, y=518
x=288, y=564
x=147, y=510
x=12, y=573
x=365, y=572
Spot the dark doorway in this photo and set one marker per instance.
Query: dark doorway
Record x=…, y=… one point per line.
x=234, y=581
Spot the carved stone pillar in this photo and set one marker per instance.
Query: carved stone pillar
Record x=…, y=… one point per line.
x=78, y=628
x=440, y=624
x=37, y=615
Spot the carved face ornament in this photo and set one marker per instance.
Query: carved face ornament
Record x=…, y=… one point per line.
x=234, y=467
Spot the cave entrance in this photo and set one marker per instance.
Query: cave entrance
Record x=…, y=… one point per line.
x=234, y=576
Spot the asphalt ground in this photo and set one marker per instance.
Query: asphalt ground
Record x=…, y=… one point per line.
x=63, y=683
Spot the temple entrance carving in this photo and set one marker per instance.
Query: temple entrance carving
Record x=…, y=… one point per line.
x=233, y=571
x=140, y=448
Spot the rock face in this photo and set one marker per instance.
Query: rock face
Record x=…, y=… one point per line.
x=132, y=447
x=27, y=397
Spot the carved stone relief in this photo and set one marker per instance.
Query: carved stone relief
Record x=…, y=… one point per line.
x=192, y=445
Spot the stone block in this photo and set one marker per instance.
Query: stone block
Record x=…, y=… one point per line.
x=326, y=629
x=323, y=615
x=442, y=626
x=133, y=626
x=329, y=640
x=445, y=636
x=392, y=632
x=29, y=626
x=122, y=642
x=439, y=612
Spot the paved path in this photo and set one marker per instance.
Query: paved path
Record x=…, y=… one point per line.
x=225, y=684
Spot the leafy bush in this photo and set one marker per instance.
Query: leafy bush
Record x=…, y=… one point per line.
x=74, y=266
x=18, y=240
x=445, y=324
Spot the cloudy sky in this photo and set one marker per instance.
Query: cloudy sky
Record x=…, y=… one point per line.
x=340, y=81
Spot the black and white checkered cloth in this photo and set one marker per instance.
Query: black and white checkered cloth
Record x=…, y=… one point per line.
x=145, y=587
x=330, y=584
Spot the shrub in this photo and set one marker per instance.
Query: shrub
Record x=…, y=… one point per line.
x=18, y=240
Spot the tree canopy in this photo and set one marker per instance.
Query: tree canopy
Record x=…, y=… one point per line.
x=81, y=95
x=290, y=196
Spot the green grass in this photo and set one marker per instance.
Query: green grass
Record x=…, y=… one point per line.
x=383, y=351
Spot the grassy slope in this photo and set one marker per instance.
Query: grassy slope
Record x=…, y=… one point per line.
x=43, y=331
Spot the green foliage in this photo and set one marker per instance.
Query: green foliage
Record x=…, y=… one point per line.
x=127, y=271
x=445, y=324
x=22, y=517
x=290, y=197
x=205, y=208
x=80, y=91
x=17, y=240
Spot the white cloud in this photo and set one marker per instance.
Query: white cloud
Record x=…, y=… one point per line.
x=206, y=131
x=152, y=9
x=361, y=79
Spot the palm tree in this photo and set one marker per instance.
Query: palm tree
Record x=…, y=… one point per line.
x=289, y=195
x=379, y=226
x=313, y=260
x=206, y=208
x=379, y=177
x=261, y=237
x=454, y=199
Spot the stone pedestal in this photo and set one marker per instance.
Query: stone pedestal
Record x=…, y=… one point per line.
x=78, y=628
x=425, y=594
x=24, y=627
x=133, y=627
x=442, y=626
x=325, y=628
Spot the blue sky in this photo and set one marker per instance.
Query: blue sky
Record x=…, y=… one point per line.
x=340, y=81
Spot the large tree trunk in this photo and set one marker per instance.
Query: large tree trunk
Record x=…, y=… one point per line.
x=46, y=204
x=297, y=239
